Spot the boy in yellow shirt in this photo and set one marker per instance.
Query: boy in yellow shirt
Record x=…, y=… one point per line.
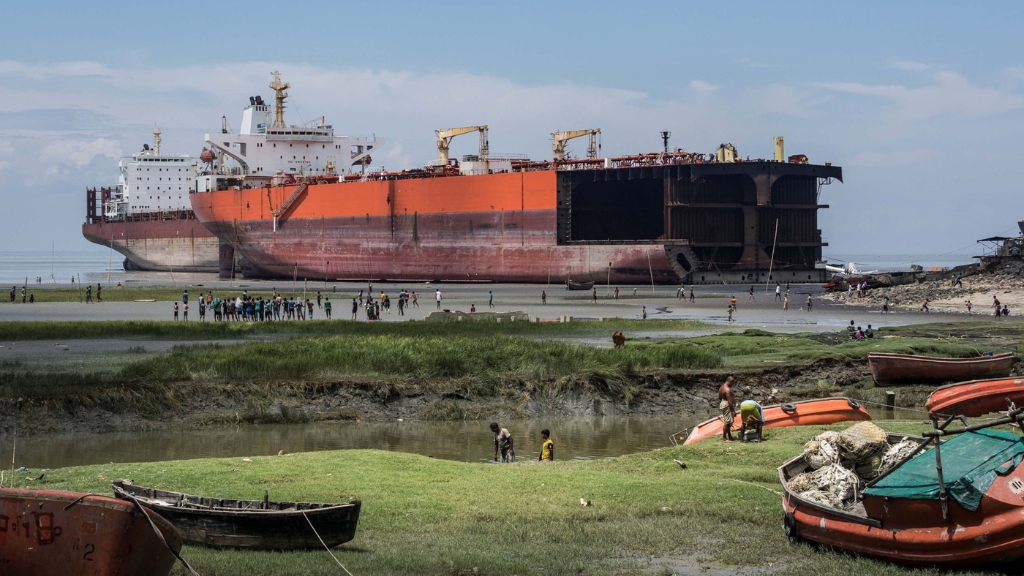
x=547, y=448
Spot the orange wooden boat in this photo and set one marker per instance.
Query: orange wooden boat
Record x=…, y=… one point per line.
x=970, y=515
x=807, y=413
x=49, y=532
x=907, y=369
x=976, y=397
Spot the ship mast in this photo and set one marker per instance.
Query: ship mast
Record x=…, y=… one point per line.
x=279, y=88
x=156, y=140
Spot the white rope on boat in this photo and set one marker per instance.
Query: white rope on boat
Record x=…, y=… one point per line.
x=325, y=544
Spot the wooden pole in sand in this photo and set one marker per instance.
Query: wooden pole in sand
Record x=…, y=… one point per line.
x=772, y=263
x=14, y=449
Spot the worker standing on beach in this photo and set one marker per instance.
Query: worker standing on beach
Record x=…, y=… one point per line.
x=751, y=298
x=437, y=296
x=503, y=443
x=726, y=406
x=691, y=293
x=809, y=302
x=327, y=307
x=778, y=292
x=543, y=297
x=88, y=294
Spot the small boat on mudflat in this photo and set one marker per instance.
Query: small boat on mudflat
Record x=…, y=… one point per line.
x=51, y=532
x=908, y=369
x=976, y=397
x=972, y=514
x=252, y=524
x=571, y=285
x=807, y=413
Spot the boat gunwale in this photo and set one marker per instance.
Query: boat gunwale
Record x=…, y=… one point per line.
x=940, y=359
x=971, y=394
x=157, y=504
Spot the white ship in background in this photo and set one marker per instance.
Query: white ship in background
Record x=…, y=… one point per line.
x=148, y=216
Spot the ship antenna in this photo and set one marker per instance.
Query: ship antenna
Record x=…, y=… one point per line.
x=279, y=88
x=664, y=138
x=156, y=139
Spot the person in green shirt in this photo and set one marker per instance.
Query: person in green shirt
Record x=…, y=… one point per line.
x=327, y=307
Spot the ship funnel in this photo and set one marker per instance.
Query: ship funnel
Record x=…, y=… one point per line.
x=156, y=140
x=780, y=154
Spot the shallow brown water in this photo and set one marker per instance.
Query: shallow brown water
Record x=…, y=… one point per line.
x=463, y=441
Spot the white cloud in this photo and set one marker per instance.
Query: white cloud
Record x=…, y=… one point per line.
x=702, y=87
x=6, y=154
x=78, y=153
x=949, y=92
x=749, y=63
x=911, y=66
x=784, y=100
x=889, y=159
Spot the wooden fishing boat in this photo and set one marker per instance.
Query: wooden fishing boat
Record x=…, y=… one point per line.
x=907, y=369
x=976, y=397
x=969, y=515
x=807, y=413
x=571, y=285
x=252, y=524
x=50, y=532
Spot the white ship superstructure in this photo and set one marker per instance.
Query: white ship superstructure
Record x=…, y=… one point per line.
x=266, y=151
x=151, y=182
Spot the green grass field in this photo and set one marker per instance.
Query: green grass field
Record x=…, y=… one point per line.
x=427, y=516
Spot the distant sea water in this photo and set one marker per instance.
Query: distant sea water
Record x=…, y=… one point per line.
x=91, y=266
x=87, y=266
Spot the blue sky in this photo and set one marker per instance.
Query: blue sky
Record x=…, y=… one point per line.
x=922, y=103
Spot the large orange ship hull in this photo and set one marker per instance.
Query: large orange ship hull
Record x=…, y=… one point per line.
x=496, y=227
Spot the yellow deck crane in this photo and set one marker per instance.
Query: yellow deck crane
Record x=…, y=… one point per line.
x=562, y=138
x=444, y=138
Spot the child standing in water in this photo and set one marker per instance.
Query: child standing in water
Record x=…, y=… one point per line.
x=547, y=447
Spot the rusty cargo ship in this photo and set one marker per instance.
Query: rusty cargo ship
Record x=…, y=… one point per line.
x=148, y=218
x=299, y=202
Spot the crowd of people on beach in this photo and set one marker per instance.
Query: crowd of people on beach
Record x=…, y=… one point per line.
x=248, y=308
